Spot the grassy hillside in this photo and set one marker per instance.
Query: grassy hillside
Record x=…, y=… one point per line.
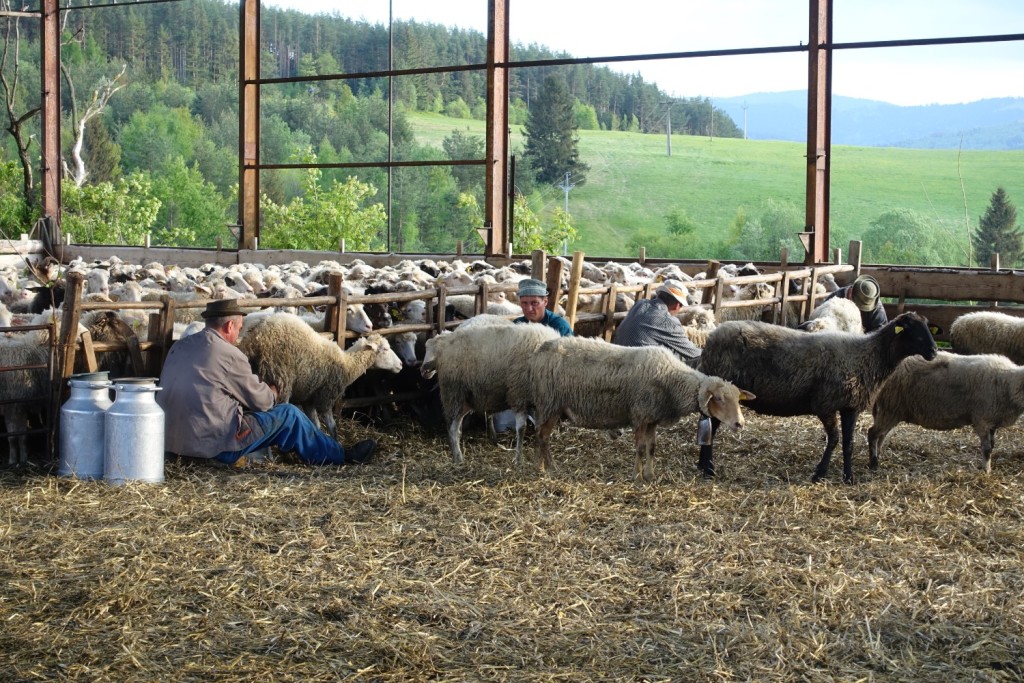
x=632, y=184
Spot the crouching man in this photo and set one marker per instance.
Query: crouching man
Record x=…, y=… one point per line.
x=216, y=408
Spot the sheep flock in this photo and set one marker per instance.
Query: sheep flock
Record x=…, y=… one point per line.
x=487, y=364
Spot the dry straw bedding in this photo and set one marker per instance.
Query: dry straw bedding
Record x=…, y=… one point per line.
x=412, y=569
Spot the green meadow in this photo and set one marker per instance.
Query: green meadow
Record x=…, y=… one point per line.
x=633, y=183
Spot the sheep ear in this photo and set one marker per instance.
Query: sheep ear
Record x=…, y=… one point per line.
x=897, y=329
x=746, y=395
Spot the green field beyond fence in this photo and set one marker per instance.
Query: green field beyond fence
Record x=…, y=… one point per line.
x=633, y=184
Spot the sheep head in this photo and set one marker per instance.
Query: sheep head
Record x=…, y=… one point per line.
x=721, y=400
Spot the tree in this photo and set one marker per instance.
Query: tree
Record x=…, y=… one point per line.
x=764, y=238
x=528, y=233
x=104, y=90
x=110, y=213
x=102, y=155
x=679, y=240
x=459, y=146
x=551, y=140
x=10, y=78
x=323, y=215
x=997, y=231
x=192, y=212
x=905, y=236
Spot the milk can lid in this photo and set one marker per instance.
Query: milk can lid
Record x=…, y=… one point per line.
x=101, y=376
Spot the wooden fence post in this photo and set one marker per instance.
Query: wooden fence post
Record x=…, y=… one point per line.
x=574, y=288
x=538, y=264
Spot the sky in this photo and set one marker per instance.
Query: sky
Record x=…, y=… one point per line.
x=904, y=76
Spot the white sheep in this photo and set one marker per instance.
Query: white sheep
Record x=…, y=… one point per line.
x=984, y=391
x=606, y=386
x=795, y=373
x=835, y=315
x=754, y=291
x=481, y=367
x=309, y=370
x=19, y=385
x=989, y=332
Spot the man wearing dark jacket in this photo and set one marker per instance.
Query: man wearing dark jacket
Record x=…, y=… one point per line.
x=653, y=322
x=864, y=292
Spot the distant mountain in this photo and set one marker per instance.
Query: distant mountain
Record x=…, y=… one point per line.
x=986, y=124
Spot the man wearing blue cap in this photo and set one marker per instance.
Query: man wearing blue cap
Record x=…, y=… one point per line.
x=533, y=299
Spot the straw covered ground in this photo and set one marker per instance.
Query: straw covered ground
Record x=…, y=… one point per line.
x=413, y=569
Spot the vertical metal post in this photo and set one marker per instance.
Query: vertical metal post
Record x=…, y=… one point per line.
x=249, y=126
x=495, y=231
x=819, y=130
x=50, y=105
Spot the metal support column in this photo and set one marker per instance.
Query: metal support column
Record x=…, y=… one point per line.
x=819, y=132
x=495, y=231
x=249, y=126
x=50, y=105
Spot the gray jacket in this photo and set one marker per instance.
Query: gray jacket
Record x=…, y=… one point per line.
x=649, y=323
x=206, y=384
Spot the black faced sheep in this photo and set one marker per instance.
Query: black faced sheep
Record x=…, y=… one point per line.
x=794, y=373
x=989, y=332
x=985, y=392
x=481, y=367
x=601, y=385
x=310, y=370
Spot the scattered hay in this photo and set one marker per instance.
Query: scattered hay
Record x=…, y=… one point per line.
x=410, y=568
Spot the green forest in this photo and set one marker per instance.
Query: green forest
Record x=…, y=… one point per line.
x=150, y=126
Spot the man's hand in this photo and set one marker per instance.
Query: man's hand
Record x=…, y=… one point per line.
x=273, y=388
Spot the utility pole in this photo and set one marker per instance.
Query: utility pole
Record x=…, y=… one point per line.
x=744, y=119
x=566, y=186
x=668, y=128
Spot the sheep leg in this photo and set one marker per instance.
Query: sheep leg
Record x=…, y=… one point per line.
x=876, y=439
x=988, y=442
x=543, y=447
x=848, y=421
x=455, y=434
x=643, y=464
x=520, y=427
x=328, y=417
x=706, y=463
x=16, y=420
x=828, y=421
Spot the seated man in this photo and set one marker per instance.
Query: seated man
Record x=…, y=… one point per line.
x=864, y=291
x=653, y=322
x=216, y=408
x=533, y=299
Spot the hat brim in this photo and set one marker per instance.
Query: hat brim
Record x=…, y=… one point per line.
x=224, y=314
x=866, y=306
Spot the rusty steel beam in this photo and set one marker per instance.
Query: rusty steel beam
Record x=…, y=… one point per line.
x=50, y=106
x=819, y=132
x=495, y=231
x=249, y=126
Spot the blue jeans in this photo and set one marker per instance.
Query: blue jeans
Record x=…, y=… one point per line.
x=288, y=428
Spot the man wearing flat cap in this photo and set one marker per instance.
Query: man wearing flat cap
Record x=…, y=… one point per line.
x=216, y=408
x=865, y=292
x=533, y=299
x=653, y=322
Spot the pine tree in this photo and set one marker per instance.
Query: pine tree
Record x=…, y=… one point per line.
x=997, y=232
x=102, y=155
x=551, y=135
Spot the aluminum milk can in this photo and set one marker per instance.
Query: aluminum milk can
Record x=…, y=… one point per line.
x=81, y=426
x=134, y=433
